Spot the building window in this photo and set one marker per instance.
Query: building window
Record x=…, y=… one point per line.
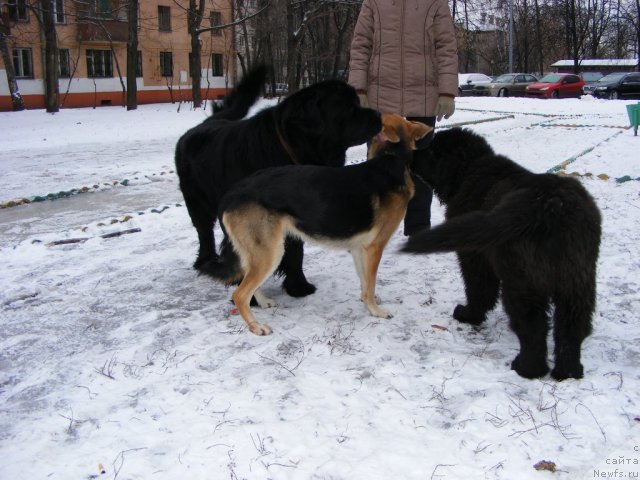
x=139, y=64
x=164, y=19
x=22, y=62
x=166, y=64
x=99, y=64
x=216, y=19
x=64, y=67
x=100, y=9
x=18, y=10
x=216, y=65
x=108, y=9
x=58, y=11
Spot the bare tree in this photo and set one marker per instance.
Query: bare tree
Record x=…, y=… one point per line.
x=194, y=20
x=51, y=61
x=17, y=102
x=195, y=14
x=633, y=17
x=132, y=54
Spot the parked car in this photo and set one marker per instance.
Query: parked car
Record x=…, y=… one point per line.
x=556, y=85
x=281, y=89
x=467, y=81
x=617, y=85
x=590, y=80
x=507, y=85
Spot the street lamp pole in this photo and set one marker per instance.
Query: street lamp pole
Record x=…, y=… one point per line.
x=510, y=36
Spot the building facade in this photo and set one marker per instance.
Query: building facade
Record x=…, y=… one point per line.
x=92, y=41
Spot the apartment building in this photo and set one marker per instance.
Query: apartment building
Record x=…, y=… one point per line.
x=92, y=41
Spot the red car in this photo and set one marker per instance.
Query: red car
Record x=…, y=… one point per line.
x=556, y=85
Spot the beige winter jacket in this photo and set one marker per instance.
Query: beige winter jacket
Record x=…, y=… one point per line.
x=404, y=55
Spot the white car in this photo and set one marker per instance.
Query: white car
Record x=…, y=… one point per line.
x=466, y=82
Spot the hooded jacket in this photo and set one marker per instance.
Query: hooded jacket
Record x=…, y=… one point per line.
x=404, y=55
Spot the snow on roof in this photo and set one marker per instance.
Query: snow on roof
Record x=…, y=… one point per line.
x=603, y=62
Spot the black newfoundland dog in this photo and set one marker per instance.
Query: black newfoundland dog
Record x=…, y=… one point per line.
x=534, y=236
x=314, y=126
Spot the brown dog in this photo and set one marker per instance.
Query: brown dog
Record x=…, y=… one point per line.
x=355, y=208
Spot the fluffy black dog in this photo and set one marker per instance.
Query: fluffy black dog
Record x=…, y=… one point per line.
x=315, y=125
x=535, y=236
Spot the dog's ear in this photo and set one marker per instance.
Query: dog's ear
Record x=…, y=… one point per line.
x=387, y=134
x=418, y=130
x=390, y=133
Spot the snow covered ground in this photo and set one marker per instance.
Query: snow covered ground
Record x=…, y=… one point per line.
x=118, y=361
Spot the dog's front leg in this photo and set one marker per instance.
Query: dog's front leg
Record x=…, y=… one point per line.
x=367, y=260
x=295, y=283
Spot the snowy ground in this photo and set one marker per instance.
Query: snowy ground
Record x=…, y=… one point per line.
x=116, y=357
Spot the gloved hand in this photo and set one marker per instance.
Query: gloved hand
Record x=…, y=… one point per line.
x=364, y=101
x=445, y=108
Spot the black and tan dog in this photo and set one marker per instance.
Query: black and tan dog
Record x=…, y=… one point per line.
x=356, y=208
x=535, y=237
x=313, y=126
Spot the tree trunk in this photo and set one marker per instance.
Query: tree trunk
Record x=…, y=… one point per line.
x=132, y=55
x=638, y=33
x=539, y=39
x=17, y=102
x=294, y=38
x=194, y=19
x=51, y=90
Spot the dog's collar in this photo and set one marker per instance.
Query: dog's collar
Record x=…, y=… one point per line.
x=285, y=145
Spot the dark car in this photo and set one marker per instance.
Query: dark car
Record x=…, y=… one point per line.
x=507, y=85
x=617, y=85
x=556, y=85
x=590, y=80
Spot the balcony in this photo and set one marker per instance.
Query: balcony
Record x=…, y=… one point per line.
x=103, y=31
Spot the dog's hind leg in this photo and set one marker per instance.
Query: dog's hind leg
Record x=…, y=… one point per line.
x=528, y=318
x=257, y=237
x=482, y=288
x=571, y=325
x=295, y=283
x=367, y=260
x=263, y=301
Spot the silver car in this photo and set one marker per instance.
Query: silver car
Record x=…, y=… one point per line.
x=507, y=85
x=468, y=81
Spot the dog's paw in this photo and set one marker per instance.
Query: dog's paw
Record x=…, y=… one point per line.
x=260, y=329
x=267, y=303
x=560, y=373
x=376, y=311
x=463, y=314
x=263, y=300
x=529, y=371
x=300, y=288
x=204, y=259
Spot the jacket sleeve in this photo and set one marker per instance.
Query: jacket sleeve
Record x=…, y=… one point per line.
x=361, y=48
x=446, y=50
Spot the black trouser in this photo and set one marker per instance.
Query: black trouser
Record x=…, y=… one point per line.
x=418, y=216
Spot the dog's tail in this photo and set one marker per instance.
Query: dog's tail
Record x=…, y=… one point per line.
x=236, y=104
x=519, y=214
x=225, y=267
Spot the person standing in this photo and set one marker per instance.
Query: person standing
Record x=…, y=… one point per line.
x=404, y=60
